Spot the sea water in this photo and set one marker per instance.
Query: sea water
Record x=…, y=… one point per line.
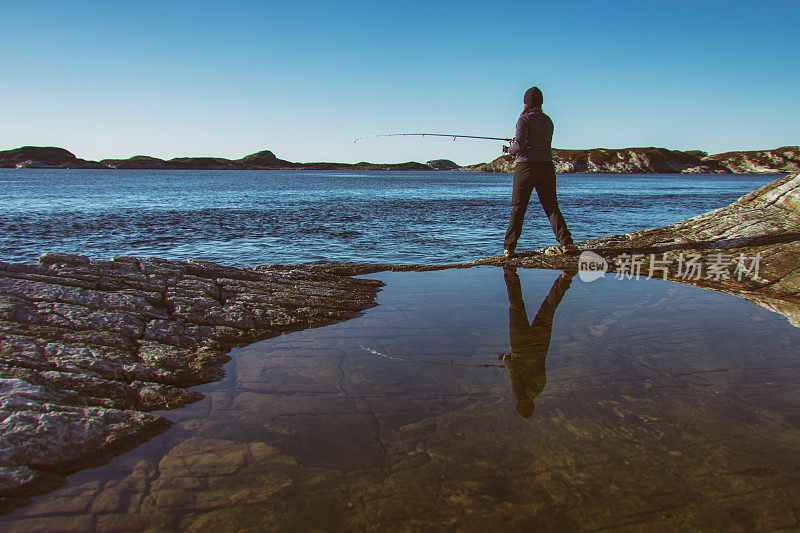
x=477, y=399
x=265, y=217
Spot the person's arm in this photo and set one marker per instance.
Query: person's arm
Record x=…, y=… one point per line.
x=520, y=137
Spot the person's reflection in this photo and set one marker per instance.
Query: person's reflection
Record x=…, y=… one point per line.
x=529, y=341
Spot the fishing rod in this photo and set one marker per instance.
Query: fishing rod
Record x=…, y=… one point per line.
x=454, y=136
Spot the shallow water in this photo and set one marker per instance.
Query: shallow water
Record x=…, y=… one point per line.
x=478, y=399
x=264, y=217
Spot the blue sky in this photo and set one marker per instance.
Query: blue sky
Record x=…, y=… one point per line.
x=304, y=79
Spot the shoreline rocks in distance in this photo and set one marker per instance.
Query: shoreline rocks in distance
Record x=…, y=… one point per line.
x=443, y=164
x=596, y=160
x=52, y=157
x=661, y=161
x=786, y=159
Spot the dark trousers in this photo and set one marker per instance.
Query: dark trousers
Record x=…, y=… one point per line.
x=542, y=177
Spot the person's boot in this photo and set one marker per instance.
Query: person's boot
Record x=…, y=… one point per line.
x=562, y=249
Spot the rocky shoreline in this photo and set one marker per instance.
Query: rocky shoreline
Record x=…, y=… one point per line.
x=596, y=160
x=722, y=245
x=90, y=347
x=661, y=161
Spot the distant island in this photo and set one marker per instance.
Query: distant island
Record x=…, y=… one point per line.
x=595, y=160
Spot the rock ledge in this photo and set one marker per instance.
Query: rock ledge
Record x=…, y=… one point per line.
x=88, y=347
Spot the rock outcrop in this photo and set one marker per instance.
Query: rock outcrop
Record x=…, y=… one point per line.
x=44, y=157
x=36, y=157
x=88, y=348
x=784, y=159
x=504, y=163
x=443, y=164
x=625, y=160
x=135, y=162
x=660, y=160
x=201, y=163
x=631, y=160
x=265, y=159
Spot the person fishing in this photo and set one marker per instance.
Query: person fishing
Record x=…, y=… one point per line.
x=534, y=169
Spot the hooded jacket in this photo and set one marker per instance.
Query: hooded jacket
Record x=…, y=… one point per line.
x=533, y=137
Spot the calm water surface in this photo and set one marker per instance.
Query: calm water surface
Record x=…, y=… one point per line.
x=478, y=400
x=253, y=217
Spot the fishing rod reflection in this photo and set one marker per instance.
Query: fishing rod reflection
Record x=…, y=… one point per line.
x=530, y=340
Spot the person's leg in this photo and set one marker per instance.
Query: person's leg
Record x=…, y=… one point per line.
x=546, y=189
x=516, y=305
x=520, y=196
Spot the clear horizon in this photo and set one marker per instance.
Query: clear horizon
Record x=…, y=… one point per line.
x=305, y=79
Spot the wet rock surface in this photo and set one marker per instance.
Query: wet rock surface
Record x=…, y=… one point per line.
x=89, y=347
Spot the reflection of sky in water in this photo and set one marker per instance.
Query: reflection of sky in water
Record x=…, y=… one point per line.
x=656, y=405
x=288, y=217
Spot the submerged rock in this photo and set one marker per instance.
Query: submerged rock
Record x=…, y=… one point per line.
x=88, y=346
